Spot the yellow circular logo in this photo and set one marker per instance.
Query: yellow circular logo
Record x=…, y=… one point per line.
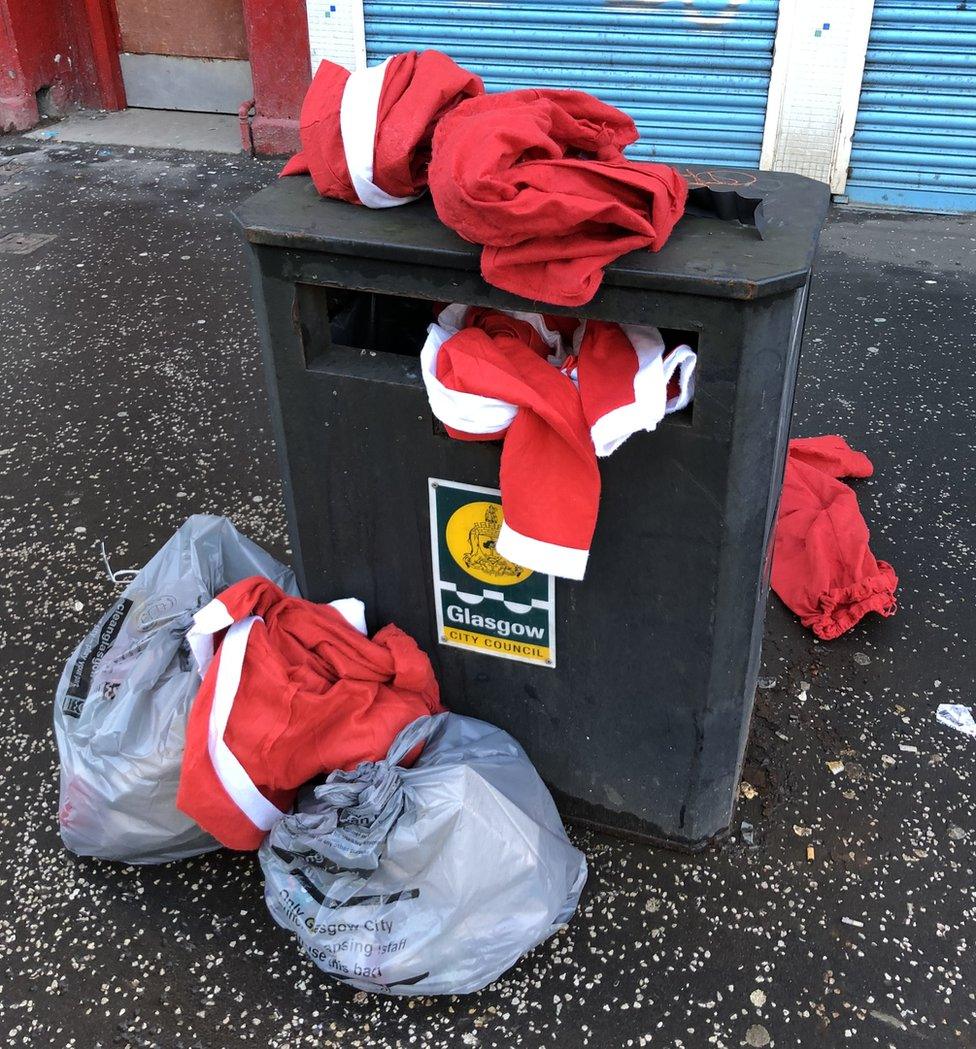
x=471, y=535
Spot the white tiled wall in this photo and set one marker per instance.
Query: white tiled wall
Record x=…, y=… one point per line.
x=815, y=85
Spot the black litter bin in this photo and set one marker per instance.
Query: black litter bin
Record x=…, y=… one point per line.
x=634, y=700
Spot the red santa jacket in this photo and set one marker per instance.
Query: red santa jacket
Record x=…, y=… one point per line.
x=539, y=178
x=823, y=568
x=291, y=690
x=492, y=375
x=366, y=136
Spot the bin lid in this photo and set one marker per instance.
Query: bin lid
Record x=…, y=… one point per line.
x=711, y=252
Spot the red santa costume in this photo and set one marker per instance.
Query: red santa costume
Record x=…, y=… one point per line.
x=291, y=690
x=539, y=178
x=366, y=136
x=492, y=375
x=823, y=568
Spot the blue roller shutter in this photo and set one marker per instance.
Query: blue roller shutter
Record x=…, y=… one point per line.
x=694, y=74
x=915, y=138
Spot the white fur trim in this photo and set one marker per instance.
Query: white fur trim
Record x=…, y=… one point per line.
x=577, y=339
x=231, y=773
x=551, y=338
x=469, y=412
x=452, y=318
x=650, y=394
x=466, y=412
x=567, y=562
x=683, y=360
x=214, y=617
x=353, y=611
x=358, y=112
x=207, y=621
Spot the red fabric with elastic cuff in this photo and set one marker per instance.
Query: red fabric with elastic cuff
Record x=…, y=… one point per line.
x=548, y=476
x=568, y=328
x=823, y=568
x=509, y=334
x=321, y=155
x=539, y=178
x=314, y=695
x=831, y=455
x=558, y=406
x=607, y=366
x=418, y=89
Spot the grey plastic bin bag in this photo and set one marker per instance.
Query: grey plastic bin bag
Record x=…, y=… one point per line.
x=433, y=879
x=124, y=696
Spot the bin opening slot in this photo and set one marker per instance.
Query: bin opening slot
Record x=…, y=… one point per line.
x=361, y=320
x=724, y=203
x=343, y=323
x=380, y=323
x=674, y=337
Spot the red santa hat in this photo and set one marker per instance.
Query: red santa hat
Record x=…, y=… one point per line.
x=628, y=381
x=492, y=375
x=539, y=179
x=291, y=690
x=366, y=136
x=823, y=568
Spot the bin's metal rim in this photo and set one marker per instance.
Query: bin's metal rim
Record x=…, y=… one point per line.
x=705, y=256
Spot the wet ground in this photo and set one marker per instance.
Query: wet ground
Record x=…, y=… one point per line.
x=132, y=397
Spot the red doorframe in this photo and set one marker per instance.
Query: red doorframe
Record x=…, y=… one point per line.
x=44, y=44
x=72, y=46
x=277, y=34
x=18, y=104
x=103, y=28
x=277, y=37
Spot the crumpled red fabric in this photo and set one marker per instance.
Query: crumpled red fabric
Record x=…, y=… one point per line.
x=560, y=396
x=547, y=443
x=418, y=89
x=823, y=569
x=313, y=694
x=539, y=178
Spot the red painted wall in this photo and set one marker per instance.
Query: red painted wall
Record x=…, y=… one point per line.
x=18, y=109
x=72, y=47
x=43, y=43
x=277, y=32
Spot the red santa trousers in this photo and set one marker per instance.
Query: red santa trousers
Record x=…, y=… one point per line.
x=822, y=567
x=291, y=690
x=366, y=136
x=539, y=179
x=492, y=375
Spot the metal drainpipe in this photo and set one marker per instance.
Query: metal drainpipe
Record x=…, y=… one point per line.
x=246, y=114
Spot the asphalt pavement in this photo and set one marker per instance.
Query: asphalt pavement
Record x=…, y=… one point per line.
x=132, y=397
